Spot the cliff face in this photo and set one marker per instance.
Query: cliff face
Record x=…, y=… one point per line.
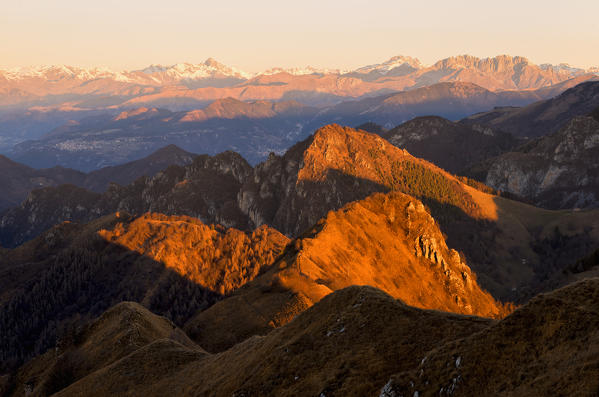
x=388, y=241
x=556, y=171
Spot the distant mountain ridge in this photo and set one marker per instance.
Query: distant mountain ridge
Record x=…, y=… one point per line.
x=453, y=146
x=210, y=80
x=19, y=180
x=543, y=117
x=251, y=128
x=211, y=68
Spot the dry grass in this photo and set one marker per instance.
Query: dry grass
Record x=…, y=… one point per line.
x=120, y=331
x=548, y=347
x=358, y=341
x=347, y=345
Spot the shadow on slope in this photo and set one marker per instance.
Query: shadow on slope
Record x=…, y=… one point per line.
x=118, y=332
x=71, y=274
x=507, y=243
x=347, y=344
x=359, y=341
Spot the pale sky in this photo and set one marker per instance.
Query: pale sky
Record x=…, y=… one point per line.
x=254, y=35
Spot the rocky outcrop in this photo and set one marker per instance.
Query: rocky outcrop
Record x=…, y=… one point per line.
x=556, y=171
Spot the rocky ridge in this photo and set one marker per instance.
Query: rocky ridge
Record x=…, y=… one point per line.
x=510, y=245
x=388, y=241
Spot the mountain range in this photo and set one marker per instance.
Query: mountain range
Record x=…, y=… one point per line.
x=36, y=100
x=500, y=72
x=20, y=179
x=507, y=243
x=253, y=129
x=447, y=245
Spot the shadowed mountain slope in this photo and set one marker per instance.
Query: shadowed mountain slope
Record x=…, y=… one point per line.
x=118, y=332
x=549, y=346
x=17, y=180
x=543, y=117
x=509, y=244
x=338, y=165
x=206, y=188
x=124, y=174
x=328, y=349
x=359, y=341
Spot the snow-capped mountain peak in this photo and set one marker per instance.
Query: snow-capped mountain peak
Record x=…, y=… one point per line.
x=399, y=61
x=210, y=68
x=562, y=68
x=303, y=71
x=57, y=71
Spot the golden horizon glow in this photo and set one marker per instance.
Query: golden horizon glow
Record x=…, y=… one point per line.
x=254, y=36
